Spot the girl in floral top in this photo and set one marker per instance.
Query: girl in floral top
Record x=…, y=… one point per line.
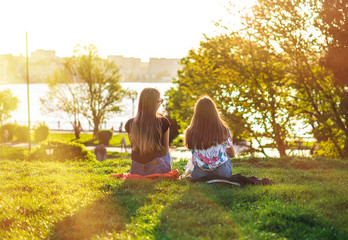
x=210, y=141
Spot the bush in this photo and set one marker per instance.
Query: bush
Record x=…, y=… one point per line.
x=41, y=132
x=22, y=133
x=13, y=153
x=174, y=130
x=327, y=148
x=178, y=141
x=104, y=137
x=10, y=127
x=61, y=152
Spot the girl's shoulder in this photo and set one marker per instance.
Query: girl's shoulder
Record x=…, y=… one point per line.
x=130, y=120
x=163, y=119
x=165, y=123
x=127, y=126
x=161, y=116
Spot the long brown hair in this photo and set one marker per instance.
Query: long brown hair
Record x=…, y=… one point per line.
x=146, y=129
x=207, y=128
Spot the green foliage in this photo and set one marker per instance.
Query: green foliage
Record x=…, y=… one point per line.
x=88, y=86
x=105, y=136
x=41, y=132
x=327, y=148
x=268, y=74
x=174, y=125
x=247, y=82
x=10, y=127
x=22, y=133
x=334, y=19
x=61, y=151
x=180, y=104
x=178, y=141
x=8, y=103
x=333, y=22
x=304, y=32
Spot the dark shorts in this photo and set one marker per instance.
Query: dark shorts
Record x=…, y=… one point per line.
x=158, y=165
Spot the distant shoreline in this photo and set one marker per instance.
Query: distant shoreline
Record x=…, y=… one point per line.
x=9, y=83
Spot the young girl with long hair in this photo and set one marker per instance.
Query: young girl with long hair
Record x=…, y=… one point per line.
x=148, y=133
x=210, y=142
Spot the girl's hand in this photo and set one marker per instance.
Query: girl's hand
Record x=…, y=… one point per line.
x=230, y=151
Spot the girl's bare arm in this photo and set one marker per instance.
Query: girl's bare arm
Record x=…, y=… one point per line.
x=230, y=152
x=165, y=141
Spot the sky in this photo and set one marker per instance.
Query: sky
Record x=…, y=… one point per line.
x=132, y=28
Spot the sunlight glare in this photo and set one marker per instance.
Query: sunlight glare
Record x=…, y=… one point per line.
x=134, y=28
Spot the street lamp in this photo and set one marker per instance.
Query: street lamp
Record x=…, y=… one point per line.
x=133, y=95
x=27, y=70
x=49, y=149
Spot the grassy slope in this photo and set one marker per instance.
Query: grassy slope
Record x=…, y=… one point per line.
x=309, y=200
x=87, y=138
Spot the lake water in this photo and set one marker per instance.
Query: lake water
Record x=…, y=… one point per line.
x=58, y=121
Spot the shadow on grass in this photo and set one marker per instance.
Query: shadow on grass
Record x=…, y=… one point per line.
x=270, y=214
x=182, y=210
x=195, y=216
x=104, y=216
x=118, y=155
x=90, y=142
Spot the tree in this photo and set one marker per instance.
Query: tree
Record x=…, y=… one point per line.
x=297, y=30
x=247, y=82
x=276, y=56
x=8, y=104
x=333, y=21
x=88, y=86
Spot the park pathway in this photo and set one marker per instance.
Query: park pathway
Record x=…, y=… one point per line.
x=176, y=153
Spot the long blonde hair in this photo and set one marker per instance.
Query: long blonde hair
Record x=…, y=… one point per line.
x=207, y=128
x=146, y=129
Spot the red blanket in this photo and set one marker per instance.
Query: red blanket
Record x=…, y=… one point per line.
x=127, y=176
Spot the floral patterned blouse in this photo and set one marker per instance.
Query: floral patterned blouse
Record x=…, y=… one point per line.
x=211, y=158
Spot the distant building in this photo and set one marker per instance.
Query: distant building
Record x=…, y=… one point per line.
x=12, y=68
x=42, y=64
x=43, y=54
x=3, y=69
x=144, y=69
x=130, y=68
x=163, y=69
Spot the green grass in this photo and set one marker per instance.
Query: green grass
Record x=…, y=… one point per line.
x=87, y=138
x=10, y=153
x=49, y=200
x=116, y=155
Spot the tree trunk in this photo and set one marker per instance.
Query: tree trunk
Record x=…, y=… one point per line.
x=280, y=143
x=281, y=147
x=345, y=109
x=345, y=148
x=96, y=128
